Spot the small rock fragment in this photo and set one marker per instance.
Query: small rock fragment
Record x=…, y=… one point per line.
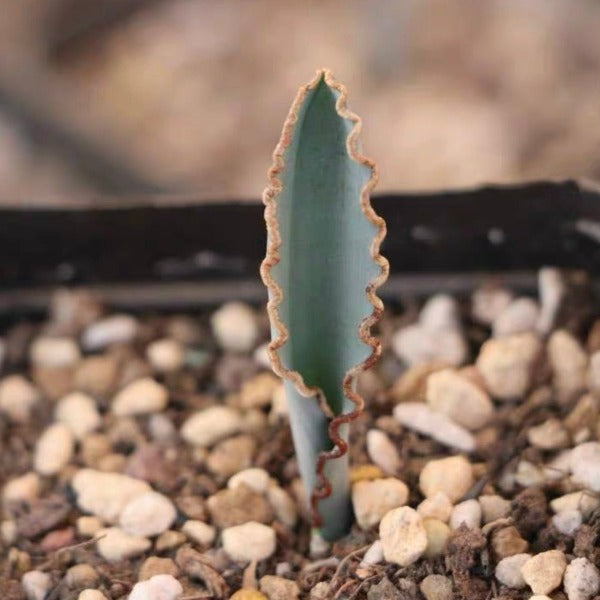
x=569, y=363
x=550, y=435
x=373, y=555
x=232, y=455
x=116, y=329
x=147, y=515
x=235, y=507
x=88, y=526
x=53, y=450
x=403, y=536
x=199, y=532
x=582, y=501
x=81, y=576
x=255, y=478
x=97, y=375
x=507, y=541
x=585, y=465
x=155, y=565
x=373, y=499
x=36, y=584
x=114, y=544
x=581, y=580
x=169, y=540
x=165, y=355
x=508, y=570
x=436, y=587
x=25, y=488
x=551, y=290
x=54, y=352
x=438, y=534
x=234, y=327
x=90, y=594
x=159, y=587
x=507, y=364
x=543, y=572
x=383, y=452
x=420, y=417
x=210, y=425
x=521, y=315
x=18, y=397
x=488, y=302
x=257, y=392
x=79, y=413
x=279, y=588
x=283, y=505
x=416, y=345
x=452, y=476
x=250, y=541
x=141, y=397
x=466, y=513
x=567, y=521
x=493, y=507
x=438, y=506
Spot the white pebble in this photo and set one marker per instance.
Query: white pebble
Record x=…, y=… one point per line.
x=18, y=397
x=159, y=587
x=559, y=466
x=161, y=428
x=416, y=345
x=452, y=475
x=25, y=488
x=508, y=570
x=374, y=555
x=437, y=507
x=54, y=352
x=549, y=435
x=403, y=536
x=458, y=398
x=140, y=397
x=529, y=474
x=507, y=364
x=88, y=526
x=54, y=449
x=255, y=478
x=488, y=302
x=115, y=545
x=519, y=316
x=261, y=356
x=105, y=495
x=373, y=499
x=165, y=355
x=36, y=584
x=283, y=505
x=551, y=290
x=466, y=513
x=248, y=542
x=116, y=329
x=569, y=363
x=543, y=572
x=79, y=413
x=210, y=425
x=581, y=580
x=420, y=417
x=585, y=465
x=90, y=594
x=584, y=502
x=199, y=532
x=567, y=521
x=234, y=327
x=440, y=312
x=147, y=515
x=383, y=452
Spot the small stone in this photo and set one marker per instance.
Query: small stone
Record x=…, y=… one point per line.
x=165, y=355
x=319, y=547
x=529, y=474
x=567, y=521
x=437, y=536
x=551, y=290
x=550, y=435
x=210, y=425
x=283, y=505
x=558, y=467
x=543, y=572
x=116, y=329
x=234, y=327
x=507, y=364
x=235, y=507
x=70, y=309
x=250, y=541
x=582, y=501
x=169, y=540
x=18, y=397
x=279, y=405
x=248, y=594
x=279, y=588
x=569, y=363
x=88, y=526
x=520, y=316
x=437, y=506
x=9, y=532
x=79, y=413
x=147, y=515
x=585, y=465
x=159, y=587
x=374, y=555
x=593, y=374
x=155, y=565
x=25, y=488
x=81, y=576
x=97, y=375
x=90, y=594
x=57, y=539
x=383, y=452
x=507, y=541
x=231, y=455
x=199, y=532
x=93, y=447
x=488, y=302
x=36, y=585
x=365, y=473
x=436, y=587
x=494, y=507
x=115, y=545
x=403, y=536
x=105, y=495
x=161, y=429
x=321, y=591
x=53, y=450
x=452, y=476
x=141, y=397
x=257, y=392
x=420, y=417
x=466, y=513
x=373, y=499
x=508, y=570
x=582, y=579
x=255, y=478
x=54, y=352
x=583, y=415
x=416, y=345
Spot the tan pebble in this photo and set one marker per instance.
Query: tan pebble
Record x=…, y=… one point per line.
x=54, y=352
x=79, y=413
x=569, y=363
x=550, y=435
x=155, y=565
x=81, y=576
x=18, y=397
x=248, y=595
x=53, y=450
x=97, y=375
x=250, y=541
x=169, y=540
x=437, y=536
x=321, y=591
x=582, y=501
x=235, y=507
x=210, y=425
x=258, y=391
x=383, y=452
x=529, y=474
x=165, y=355
x=115, y=545
x=411, y=385
x=365, y=473
x=436, y=587
x=279, y=588
x=373, y=499
x=543, y=572
x=437, y=506
x=507, y=541
x=403, y=536
x=466, y=513
x=25, y=488
x=283, y=505
x=88, y=526
x=8, y=532
x=93, y=447
x=232, y=455
x=199, y=532
x=452, y=476
x=90, y=594
x=255, y=478
x=140, y=397
x=494, y=507
x=112, y=463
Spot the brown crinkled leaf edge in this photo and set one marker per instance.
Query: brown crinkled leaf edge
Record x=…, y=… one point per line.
x=323, y=488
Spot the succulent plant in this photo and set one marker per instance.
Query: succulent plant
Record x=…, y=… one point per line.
x=322, y=269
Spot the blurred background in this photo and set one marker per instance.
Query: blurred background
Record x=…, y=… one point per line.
x=188, y=96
